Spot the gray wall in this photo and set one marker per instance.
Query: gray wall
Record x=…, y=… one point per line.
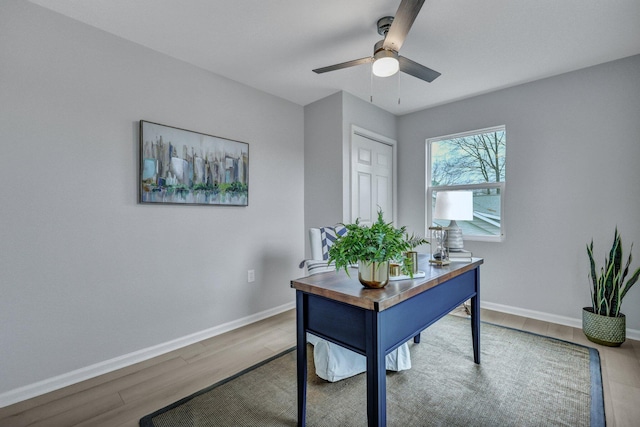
x=86, y=273
x=322, y=152
x=573, y=146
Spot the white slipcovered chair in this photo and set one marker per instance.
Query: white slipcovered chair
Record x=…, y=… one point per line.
x=332, y=361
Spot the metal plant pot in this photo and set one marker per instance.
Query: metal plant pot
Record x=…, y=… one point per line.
x=413, y=255
x=604, y=330
x=373, y=274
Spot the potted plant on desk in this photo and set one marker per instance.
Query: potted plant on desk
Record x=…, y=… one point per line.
x=372, y=248
x=411, y=255
x=603, y=323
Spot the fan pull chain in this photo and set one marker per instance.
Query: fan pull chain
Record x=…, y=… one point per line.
x=371, y=83
x=398, y=87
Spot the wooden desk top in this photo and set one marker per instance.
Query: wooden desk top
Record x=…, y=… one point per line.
x=340, y=287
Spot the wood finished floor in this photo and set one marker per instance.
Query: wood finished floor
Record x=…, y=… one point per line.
x=122, y=397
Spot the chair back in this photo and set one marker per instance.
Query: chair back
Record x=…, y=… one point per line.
x=321, y=239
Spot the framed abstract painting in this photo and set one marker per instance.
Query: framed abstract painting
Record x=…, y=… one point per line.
x=180, y=166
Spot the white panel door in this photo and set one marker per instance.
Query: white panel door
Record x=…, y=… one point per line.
x=372, y=179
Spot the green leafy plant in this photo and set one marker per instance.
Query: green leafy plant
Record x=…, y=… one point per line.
x=609, y=288
x=381, y=242
x=416, y=240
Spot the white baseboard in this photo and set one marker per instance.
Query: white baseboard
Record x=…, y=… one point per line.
x=633, y=334
x=83, y=374
x=46, y=386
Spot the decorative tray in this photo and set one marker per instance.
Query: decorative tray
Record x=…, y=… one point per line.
x=417, y=275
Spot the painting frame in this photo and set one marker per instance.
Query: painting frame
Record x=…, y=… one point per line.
x=183, y=167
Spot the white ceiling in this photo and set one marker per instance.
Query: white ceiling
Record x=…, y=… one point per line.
x=272, y=45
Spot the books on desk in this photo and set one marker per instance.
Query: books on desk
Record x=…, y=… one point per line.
x=460, y=255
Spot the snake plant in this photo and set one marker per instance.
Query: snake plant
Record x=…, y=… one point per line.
x=609, y=288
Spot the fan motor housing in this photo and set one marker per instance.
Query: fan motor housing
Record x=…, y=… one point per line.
x=379, y=51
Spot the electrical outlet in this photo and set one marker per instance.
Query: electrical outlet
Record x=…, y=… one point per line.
x=251, y=276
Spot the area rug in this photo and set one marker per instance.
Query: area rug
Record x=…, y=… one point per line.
x=524, y=379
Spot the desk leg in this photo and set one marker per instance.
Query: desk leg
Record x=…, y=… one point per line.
x=475, y=320
x=376, y=373
x=301, y=343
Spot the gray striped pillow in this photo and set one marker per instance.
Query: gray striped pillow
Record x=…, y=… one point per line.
x=317, y=266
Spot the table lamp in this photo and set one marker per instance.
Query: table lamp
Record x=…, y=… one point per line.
x=454, y=205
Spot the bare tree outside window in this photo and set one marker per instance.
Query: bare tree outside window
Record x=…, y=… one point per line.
x=471, y=159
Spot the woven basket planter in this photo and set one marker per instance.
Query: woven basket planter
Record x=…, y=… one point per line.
x=604, y=330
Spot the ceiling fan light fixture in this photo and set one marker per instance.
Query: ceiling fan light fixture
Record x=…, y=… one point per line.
x=385, y=63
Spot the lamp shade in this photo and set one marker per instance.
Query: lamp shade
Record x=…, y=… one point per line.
x=454, y=205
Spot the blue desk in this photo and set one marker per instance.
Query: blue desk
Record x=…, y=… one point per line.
x=373, y=322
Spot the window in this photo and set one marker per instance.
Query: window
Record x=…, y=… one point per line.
x=470, y=161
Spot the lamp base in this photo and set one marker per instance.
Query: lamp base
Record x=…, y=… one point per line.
x=454, y=240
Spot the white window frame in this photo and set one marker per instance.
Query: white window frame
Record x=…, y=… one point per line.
x=430, y=189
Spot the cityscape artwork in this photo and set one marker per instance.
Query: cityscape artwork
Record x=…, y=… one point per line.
x=185, y=167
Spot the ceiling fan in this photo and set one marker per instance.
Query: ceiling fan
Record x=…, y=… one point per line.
x=386, y=61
